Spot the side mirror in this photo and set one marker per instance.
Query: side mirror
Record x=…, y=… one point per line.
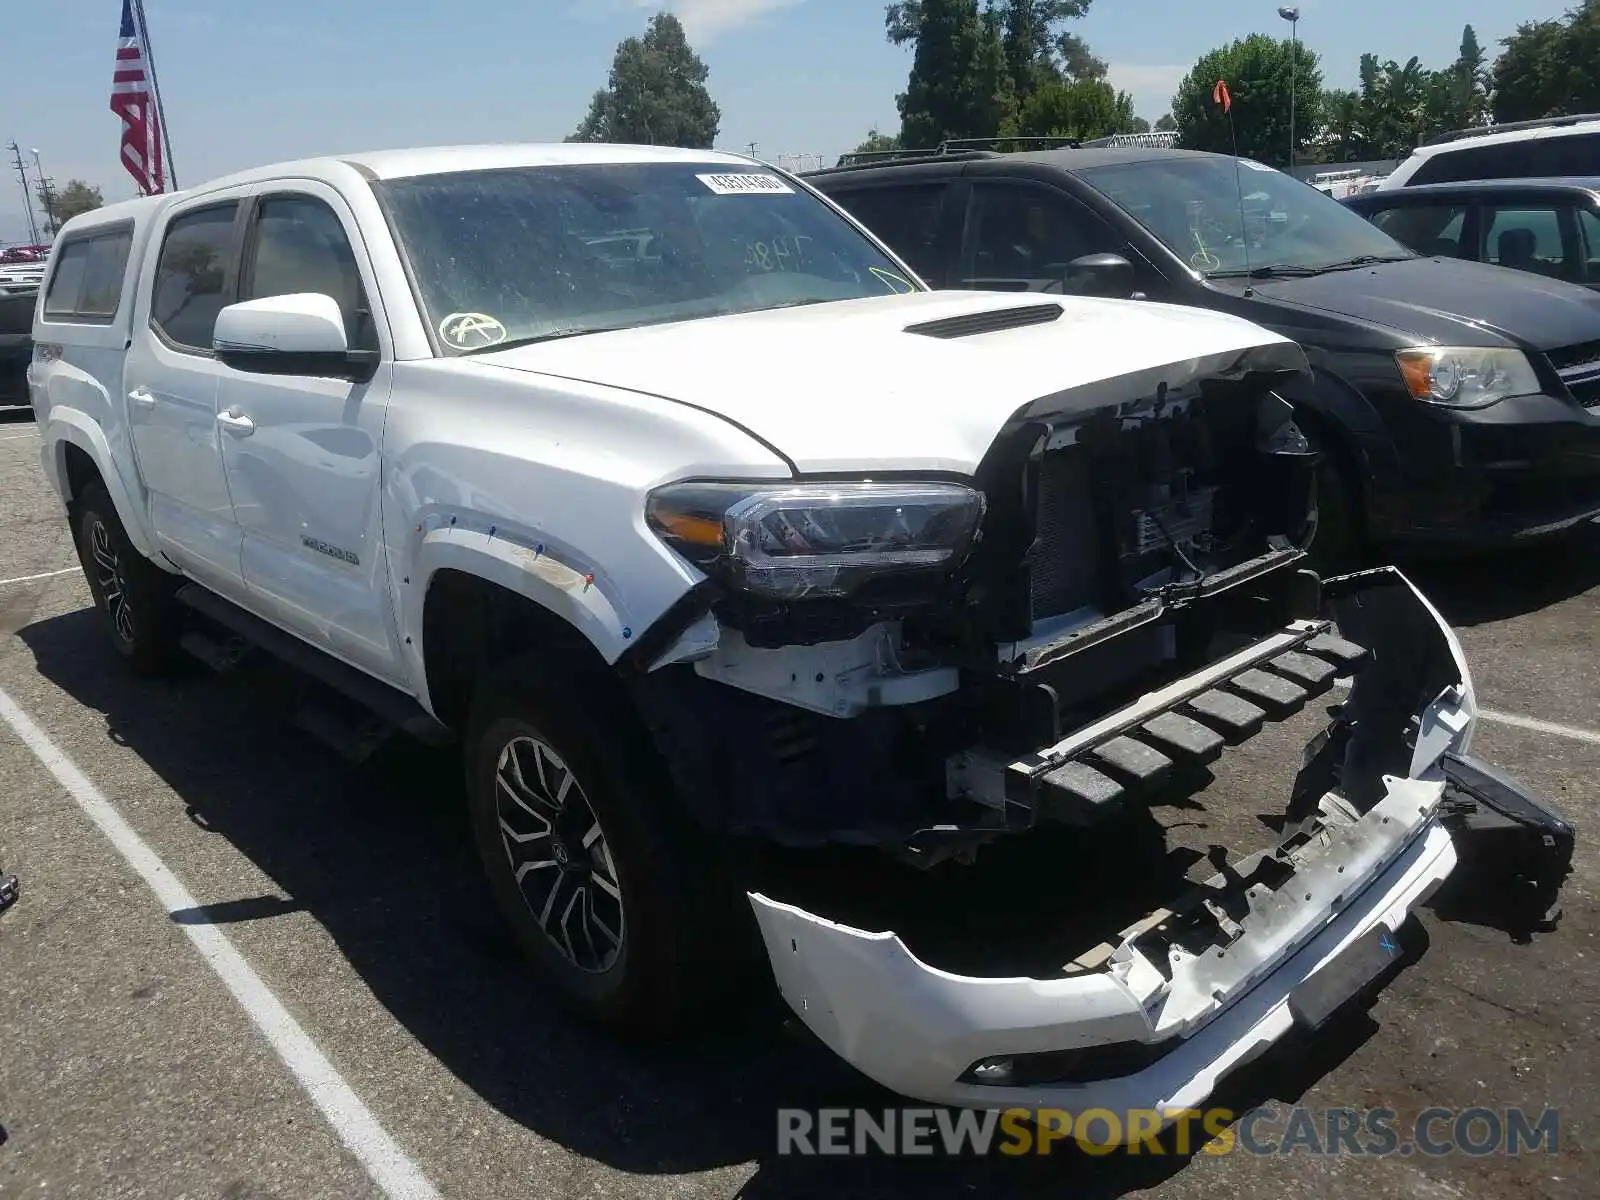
x=299, y=334
x=1100, y=275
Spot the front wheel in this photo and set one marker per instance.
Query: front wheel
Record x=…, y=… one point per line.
x=607, y=887
x=1337, y=542
x=134, y=596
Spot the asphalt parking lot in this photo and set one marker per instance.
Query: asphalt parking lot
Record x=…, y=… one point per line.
x=129, y=1069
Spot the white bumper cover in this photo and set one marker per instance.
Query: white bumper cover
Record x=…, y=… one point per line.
x=920, y=1030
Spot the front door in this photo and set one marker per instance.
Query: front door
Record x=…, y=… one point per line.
x=172, y=378
x=1022, y=236
x=302, y=453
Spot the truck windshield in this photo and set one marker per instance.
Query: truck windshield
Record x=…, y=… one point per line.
x=523, y=254
x=1193, y=205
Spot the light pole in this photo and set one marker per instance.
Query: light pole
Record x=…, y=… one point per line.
x=1292, y=15
x=46, y=194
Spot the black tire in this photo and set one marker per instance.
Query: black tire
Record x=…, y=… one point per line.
x=685, y=935
x=1338, y=543
x=133, y=594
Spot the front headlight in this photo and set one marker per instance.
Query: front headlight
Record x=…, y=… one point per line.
x=1466, y=376
x=792, y=541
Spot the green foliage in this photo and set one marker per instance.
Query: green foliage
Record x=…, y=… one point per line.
x=877, y=143
x=656, y=94
x=61, y=205
x=978, y=65
x=1089, y=108
x=1166, y=124
x=1548, y=67
x=1257, y=70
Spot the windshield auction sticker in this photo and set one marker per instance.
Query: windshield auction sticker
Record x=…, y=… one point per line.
x=471, y=331
x=746, y=183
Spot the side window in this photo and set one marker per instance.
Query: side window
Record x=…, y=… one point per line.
x=192, y=276
x=907, y=219
x=1426, y=228
x=301, y=246
x=1589, y=229
x=87, y=284
x=1525, y=239
x=1023, y=234
x=1480, y=162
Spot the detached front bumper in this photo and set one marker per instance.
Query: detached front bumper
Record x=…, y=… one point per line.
x=1193, y=991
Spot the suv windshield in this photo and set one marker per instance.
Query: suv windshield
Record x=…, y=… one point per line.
x=1193, y=205
x=524, y=254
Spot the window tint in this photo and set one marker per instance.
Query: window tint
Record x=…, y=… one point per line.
x=87, y=285
x=300, y=246
x=1019, y=234
x=1575, y=154
x=907, y=218
x=1589, y=229
x=1426, y=228
x=192, y=276
x=1525, y=239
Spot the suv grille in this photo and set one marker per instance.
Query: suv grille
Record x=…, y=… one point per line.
x=1579, y=368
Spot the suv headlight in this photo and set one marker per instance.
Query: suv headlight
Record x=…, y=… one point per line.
x=794, y=541
x=1466, y=376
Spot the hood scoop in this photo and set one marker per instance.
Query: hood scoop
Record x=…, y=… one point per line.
x=992, y=321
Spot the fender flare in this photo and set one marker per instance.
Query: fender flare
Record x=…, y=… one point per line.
x=73, y=426
x=576, y=592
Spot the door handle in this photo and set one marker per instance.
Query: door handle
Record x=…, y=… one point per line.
x=236, y=423
x=143, y=397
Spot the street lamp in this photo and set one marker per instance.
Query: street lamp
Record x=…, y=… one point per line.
x=1292, y=15
x=45, y=194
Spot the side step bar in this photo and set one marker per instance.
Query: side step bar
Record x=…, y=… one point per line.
x=392, y=707
x=1088, y=773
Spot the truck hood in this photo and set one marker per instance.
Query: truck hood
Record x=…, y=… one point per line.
x=1448, y=301
x=857, y=385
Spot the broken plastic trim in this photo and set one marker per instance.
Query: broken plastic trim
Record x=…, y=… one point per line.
x=1215, y=988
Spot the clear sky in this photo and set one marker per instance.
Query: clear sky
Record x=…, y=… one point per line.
x=247, y=82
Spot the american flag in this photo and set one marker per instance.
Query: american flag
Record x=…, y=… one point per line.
x=133, y=98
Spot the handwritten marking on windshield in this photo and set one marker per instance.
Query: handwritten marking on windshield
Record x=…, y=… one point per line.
x=470, y=331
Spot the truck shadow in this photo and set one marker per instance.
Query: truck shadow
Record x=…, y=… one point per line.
x=381, y=857
x=1482, y=589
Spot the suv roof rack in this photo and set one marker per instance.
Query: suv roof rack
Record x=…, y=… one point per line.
x=1456, y=135
x=958, y=149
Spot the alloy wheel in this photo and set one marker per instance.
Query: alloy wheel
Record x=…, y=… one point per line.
x=112, y=583
x=559, y=855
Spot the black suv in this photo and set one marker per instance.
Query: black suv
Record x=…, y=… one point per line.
x=1550, y=227
x=1458, y=404
x=16, y=345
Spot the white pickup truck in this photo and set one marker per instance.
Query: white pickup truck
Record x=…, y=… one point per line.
x=673, y=496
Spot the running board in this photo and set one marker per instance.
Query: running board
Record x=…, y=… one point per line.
x=1089, y=773
x=391, y=706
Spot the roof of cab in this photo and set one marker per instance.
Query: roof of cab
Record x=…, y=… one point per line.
x=117, y=212
x=435, y=160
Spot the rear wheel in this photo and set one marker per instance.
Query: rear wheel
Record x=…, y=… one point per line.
x=617, y=899
x=134, y=596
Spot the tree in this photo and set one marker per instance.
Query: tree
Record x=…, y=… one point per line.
x=60, y=206
x=978, y=62
x=1139, y=125
x=656, y=93
x=877, y=143
x=959, y=86
x=1469, y=84
x=1548, y=67
x=1166, y=124
x=1343, y=136
x=1086, y=109
x=1401, y=106
x=1257, y=72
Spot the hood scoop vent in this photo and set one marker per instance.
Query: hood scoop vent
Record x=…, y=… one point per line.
x=993, y=321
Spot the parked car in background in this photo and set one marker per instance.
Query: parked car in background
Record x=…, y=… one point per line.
x=20, y=276
x=1456, y=403
x=1550, y=227
x=16, y=345
x=1547, y=148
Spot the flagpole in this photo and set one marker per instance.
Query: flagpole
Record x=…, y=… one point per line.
x=155, y=86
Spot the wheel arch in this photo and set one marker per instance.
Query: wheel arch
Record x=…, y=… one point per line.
x=80, y=454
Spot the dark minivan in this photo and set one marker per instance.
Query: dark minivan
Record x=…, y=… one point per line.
x=1458, y=404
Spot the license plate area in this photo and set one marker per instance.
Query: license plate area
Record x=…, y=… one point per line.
x=1315, y=1001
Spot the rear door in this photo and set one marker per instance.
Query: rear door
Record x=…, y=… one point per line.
x=302, y=452
x=171, y=379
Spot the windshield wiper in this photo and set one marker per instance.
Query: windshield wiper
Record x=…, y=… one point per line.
x=1281, y=271
x=1364, y=260
x=555, y=335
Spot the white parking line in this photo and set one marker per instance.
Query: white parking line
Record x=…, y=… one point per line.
x=357, y=1128
x=46, y=575
x=13, y=437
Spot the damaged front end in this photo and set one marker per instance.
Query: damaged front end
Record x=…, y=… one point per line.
x=926, y=667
